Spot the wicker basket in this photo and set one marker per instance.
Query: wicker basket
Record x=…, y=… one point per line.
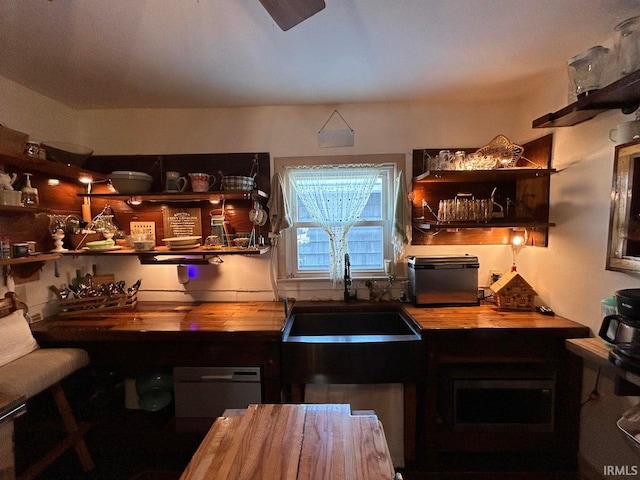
x=12, y=141
x=75, y=307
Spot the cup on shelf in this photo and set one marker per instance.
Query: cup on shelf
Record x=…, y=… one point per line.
x=174, y=182
x=627, y=46
x=625, y=132
x=585, y=70
x=201, y=182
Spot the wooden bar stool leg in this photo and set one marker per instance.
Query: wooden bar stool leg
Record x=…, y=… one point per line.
x=73, y=439
x=72, y=428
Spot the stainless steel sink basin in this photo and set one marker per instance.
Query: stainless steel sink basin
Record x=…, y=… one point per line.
x=345, y=327
x=344, y=344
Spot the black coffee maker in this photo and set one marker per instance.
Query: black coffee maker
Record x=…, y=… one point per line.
x=623, y=330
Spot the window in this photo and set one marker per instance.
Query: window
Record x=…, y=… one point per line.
x=308, y=247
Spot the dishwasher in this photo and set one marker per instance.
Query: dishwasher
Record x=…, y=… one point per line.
x=203, y=393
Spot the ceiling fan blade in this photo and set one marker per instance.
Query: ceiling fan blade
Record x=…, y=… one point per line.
x=289, y=13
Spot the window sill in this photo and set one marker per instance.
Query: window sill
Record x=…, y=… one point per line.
x=362, y=278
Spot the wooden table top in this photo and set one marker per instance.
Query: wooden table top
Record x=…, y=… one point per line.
x=266, y=319
x=293, y=442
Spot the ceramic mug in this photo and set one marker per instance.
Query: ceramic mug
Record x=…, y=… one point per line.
x=201, y=182
x=175, y=183
x=626, y=132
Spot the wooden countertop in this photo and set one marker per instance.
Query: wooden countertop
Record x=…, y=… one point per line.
x=293, y=442
x=488, y=316
x=595, y=353
x=156, y=320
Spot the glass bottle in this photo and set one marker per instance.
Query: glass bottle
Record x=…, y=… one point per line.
x=29, y=194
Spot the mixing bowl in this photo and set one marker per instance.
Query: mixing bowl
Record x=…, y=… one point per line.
x=66, y=153
x=128, y=183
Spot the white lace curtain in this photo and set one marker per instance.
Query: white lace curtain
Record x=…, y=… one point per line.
x=334, y=196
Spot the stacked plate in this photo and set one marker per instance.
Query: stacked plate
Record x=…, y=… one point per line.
x=182, y=243
x=101, y=245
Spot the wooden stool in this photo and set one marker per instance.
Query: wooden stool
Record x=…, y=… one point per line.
x=44, y=369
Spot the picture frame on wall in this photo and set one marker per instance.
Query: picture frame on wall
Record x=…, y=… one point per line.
x=624, y=220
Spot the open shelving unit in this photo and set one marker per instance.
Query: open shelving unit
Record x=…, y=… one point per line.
x=522, y=191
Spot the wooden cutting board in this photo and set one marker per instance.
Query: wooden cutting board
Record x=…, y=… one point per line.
x=293, y=442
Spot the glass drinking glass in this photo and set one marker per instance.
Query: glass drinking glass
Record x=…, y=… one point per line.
x=628, y=45
x=585, y=69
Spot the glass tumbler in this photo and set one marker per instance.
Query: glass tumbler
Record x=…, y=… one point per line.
x=585, y=70
x=628, y=45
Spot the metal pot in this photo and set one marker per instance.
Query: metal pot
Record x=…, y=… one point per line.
x=628, y=302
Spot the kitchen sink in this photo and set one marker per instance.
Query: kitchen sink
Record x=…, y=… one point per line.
x=351, y=344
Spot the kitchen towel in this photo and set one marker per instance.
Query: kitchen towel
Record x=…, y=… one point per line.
x=401, y=235
x=278, y=207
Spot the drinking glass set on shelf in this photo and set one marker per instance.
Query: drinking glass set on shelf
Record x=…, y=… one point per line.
x=445, y=160
x=589, y=70
x=465, y=208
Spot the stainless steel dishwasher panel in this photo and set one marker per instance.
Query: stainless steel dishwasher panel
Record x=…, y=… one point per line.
x=205, y=392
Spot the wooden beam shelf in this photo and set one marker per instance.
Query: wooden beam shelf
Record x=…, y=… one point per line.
x=623, y=94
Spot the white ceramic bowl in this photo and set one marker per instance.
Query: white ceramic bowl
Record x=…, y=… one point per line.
x=128, y=183
x=143, y=245
x=178, y=242
x=241, y=242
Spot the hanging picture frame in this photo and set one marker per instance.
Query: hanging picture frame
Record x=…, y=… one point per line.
x=338, y=137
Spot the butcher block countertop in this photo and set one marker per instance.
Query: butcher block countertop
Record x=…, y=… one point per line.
x=158, y=320
x=293, y=442
x=488, y=316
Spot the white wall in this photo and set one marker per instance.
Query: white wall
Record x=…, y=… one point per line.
x=285, y=132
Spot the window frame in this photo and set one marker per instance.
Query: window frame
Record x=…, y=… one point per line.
x=289, y=237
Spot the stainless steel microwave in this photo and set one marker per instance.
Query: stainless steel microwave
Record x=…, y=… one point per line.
x=513, y=398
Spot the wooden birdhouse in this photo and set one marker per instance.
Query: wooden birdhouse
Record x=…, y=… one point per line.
x=512, y=292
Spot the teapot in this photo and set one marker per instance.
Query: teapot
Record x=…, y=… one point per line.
x=7, y=180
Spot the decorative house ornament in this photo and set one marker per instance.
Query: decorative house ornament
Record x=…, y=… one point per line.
x=512, y=292
x=335, y=138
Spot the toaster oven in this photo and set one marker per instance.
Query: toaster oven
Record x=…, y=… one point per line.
x=445, y=280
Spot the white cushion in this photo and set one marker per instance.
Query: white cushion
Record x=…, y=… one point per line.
x=16, y=339
x=38, y=370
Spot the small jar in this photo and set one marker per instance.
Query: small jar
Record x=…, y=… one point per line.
x=32, y=149
x=19, y=250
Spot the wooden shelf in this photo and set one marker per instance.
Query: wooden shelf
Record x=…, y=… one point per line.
x=498, y=175
x=40, y=257
x=183, y=196
x=623, y=94
x=198, y=255
x=25, y=163
x=428, y=226
x=19, y=209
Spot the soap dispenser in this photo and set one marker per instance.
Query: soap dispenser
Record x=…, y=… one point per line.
x=29, y=194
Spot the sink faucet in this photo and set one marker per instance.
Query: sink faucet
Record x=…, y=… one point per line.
x=288, y=305
x=347, y=278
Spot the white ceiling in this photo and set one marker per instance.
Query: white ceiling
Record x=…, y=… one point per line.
x=212, y=53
